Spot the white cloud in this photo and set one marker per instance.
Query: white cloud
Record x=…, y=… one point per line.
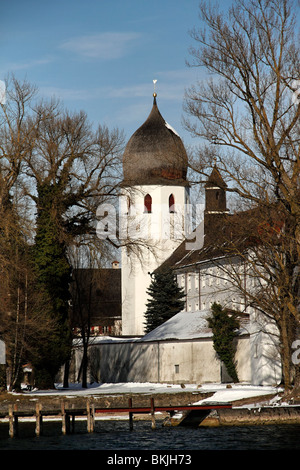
x=135, y=90
x=66, y=93
x=28, y=64
x=109, y=45
x=169, y=89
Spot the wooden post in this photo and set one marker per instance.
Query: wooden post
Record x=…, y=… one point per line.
x=130, y=414
x=72, y=425
x=93, y=417
x=12, y=422
x=39, y=419
x=88, y=412
x=63, y=418
x=67, y=423
x=153, y=425
x=90, y=416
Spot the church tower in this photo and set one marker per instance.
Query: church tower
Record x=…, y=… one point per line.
x=153, y=204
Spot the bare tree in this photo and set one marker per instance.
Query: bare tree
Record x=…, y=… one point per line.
x=247, y=116
x=66, y=168
x=246, y=108
x=256, y=268
x=71, y=169
x=16, y=138
x=86, y=262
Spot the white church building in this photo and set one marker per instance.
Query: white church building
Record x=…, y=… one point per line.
x=156, y=216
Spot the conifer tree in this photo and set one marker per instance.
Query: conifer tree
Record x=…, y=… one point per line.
x=53, y=278
x=165, y=299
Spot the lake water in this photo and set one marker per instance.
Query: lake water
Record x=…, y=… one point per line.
x=115, y=435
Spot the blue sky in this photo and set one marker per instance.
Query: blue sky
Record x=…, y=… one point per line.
x=102, y=56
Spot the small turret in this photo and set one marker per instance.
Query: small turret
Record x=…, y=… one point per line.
x=215, y=201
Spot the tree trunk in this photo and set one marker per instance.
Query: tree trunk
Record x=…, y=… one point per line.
x=66, y=374
x=84, y=365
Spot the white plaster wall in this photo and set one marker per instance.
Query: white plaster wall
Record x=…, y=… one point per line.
x=156, y=236
x=265, y=358
x=188, y=362
x=165, y=361
x=209, y=282
x=243, y=359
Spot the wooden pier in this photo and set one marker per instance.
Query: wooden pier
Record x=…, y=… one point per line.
x=152, y=409
x=68, y=415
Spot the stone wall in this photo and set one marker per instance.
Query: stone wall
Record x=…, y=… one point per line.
x=259, y=416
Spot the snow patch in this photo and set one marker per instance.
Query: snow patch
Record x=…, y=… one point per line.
x=171, y=128
x=183, y=325
x=221, y=393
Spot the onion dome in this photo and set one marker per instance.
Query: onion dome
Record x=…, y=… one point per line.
x=155, y=154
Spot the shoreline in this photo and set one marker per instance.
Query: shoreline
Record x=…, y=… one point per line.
x=255, y=410
x=236, y=417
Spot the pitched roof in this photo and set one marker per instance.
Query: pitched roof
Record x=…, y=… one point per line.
x=215, y=179
x=187, y=326
x=229, y=235
x=183, y=325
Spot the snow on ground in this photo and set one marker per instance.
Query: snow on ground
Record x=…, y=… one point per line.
x=237, y=392
x=222, y=394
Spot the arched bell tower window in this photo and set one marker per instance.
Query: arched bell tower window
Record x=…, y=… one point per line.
x=171, y=204
x=148, y=204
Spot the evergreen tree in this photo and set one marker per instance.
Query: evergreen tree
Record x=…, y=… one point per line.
x=166, y=299
x=53, y=277
x=224, y=325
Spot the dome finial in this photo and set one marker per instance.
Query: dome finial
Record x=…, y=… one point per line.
x=154, y=93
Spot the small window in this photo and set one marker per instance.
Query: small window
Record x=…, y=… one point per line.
x=148, y=204
x=171, y=204
x=176, y=368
